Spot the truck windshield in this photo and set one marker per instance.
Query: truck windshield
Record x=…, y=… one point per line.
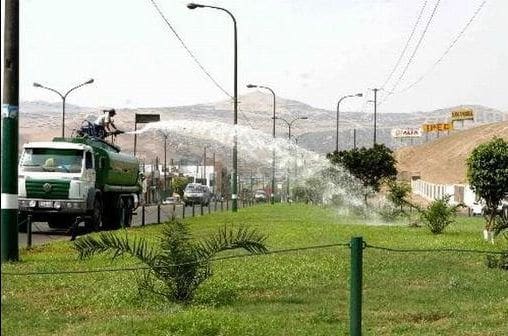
x=192, y=188
x=52, y=160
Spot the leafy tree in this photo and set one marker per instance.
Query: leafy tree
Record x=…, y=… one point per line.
x=369, y=165
x=179, y=265
x=311, y=190
x=398, y=193
x=178, y=184
x=487, y=172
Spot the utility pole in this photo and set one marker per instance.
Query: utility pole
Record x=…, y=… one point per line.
x=10, y=134
x=214, y=175
x=375, y=113
x=165, y=164
x=204, y=165
x=354, y=138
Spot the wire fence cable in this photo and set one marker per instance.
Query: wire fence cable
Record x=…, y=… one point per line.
x=138, y=268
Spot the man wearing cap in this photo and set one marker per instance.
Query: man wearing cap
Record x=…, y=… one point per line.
x=105, y=123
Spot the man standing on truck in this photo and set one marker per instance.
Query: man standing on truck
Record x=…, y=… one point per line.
x=105, y=123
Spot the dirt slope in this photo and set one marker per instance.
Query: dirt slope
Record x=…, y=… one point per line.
x=444, y=160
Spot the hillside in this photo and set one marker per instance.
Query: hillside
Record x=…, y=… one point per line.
x=443, y=160
x=255, y=111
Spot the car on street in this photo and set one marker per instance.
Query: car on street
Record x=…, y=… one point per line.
x=260, y=196
x=170, y=200
x=477, y=208
x=196, y=193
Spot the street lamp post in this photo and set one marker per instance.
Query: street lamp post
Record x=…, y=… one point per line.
x=272, y=194
x=64, y=97
x=338, y=105
x=290, y=123
x=234, y=195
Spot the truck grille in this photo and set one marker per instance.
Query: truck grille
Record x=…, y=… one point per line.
x=50, y=189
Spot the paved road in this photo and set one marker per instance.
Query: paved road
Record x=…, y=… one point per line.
x=41, y=233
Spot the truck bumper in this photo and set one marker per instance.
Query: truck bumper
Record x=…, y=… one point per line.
x=52, y=207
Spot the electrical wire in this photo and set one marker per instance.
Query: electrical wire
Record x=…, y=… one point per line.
x=417, y=47
x=452, y=44
x=195, y=58
x=417, y=22
x=246, y=119
x=187, y=49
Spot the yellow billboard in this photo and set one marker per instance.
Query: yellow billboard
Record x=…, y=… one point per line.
x=465, y=113
x=438, y=127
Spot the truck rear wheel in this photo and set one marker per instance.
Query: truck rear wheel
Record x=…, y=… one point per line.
x=94, y=223
x=118, y=212
x=127, y=206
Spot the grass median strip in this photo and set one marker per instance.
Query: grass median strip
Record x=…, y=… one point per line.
x=299, y=292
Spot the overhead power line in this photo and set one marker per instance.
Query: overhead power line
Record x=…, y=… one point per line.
x=407, y=44
x=191, y=54
x=452, y=44
x=411, y=58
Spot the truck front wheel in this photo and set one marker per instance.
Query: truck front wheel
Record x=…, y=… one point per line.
x=61, y=222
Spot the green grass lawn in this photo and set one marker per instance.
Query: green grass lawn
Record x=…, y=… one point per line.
x=294, y=293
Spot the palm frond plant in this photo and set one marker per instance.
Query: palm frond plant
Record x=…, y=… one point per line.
x=178, y=265
x=500, y=229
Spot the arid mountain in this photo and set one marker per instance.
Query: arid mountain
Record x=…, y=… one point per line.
x=42, y=121
x=444, y=160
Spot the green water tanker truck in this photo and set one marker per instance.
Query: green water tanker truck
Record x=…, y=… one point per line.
x=82, y=178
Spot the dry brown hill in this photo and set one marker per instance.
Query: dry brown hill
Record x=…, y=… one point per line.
x=444, y=160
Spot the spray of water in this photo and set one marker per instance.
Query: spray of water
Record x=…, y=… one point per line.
x=310, y=173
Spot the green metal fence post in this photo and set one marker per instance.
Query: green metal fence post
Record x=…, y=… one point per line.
x=9, y=246
x=29, y=231
x=355, y=300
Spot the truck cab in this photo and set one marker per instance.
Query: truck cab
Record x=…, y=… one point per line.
x=78, y=178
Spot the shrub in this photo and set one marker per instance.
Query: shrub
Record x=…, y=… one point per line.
x=494, y=261
x=389, y=213
x=500, y=228
x=438, y=215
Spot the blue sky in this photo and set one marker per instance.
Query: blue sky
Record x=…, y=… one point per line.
x=311, y=51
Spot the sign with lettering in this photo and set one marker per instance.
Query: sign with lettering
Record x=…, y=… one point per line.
x=146, y=118
x=438, y=127
x=465, y=113
x=409, y=132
